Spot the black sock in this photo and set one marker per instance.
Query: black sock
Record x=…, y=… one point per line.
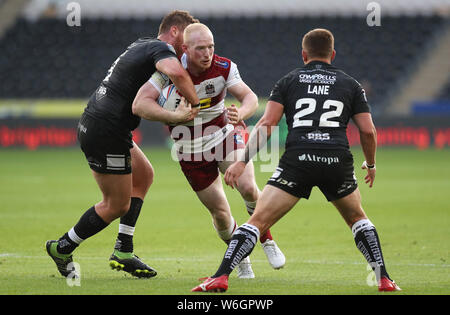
x=89, y=224
x=124, y=241
x=241, y=245
x=368, y=243
x=65, y=244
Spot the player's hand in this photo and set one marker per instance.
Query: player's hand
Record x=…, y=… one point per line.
x=233, y=173
x=184, y=111
x=195, y=111
x=233, y=114
x=370, y=177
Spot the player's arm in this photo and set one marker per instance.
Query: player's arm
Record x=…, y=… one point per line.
x=368, y=138
x=248, y=100
x=146, y=106
x=258, y=138
x=179, y=76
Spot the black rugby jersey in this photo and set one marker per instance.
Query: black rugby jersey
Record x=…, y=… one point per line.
x=113, y=98
x=319, y=99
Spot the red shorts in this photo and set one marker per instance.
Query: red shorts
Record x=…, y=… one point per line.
x=201, y=169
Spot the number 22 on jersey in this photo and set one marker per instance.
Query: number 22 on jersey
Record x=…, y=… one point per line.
x=308, y=106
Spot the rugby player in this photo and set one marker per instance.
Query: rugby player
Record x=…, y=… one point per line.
x=222, y=135
x=318, y=100
x=121, y=170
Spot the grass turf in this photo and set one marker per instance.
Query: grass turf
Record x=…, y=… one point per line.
x=43, y=193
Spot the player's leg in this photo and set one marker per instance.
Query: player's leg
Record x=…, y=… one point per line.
x=142, y=178
x=123, y=257
x=214, y=199
x=275, y=203
x=365, y=236
x=107, y=155
x=116, y=190
x=250, y=192
x=232, y=146
x=246, y=184
x=350, y=208
x=272, y=205
x=339, y=185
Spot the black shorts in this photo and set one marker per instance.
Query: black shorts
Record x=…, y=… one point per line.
x=300, y=170
x=107, y=150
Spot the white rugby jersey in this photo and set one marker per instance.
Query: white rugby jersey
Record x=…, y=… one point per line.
x=211, y=86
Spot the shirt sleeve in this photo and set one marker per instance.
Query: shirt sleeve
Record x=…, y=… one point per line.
x=160, y=50
x=277, y=93
x=184, y=61
x=159, y=80
x=234, y=76
x=360, y=104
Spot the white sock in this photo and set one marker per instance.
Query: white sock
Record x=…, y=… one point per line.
x=74, y=237
x=227, y=233
x=251, y=205
x=126, y=229
x=361, y=225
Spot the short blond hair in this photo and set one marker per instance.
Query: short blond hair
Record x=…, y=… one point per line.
x=318, y=43
x=195, y=27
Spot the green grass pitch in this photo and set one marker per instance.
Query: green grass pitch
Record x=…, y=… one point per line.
x=43, y=193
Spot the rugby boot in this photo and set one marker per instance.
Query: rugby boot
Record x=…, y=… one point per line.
x=386, y=284
x=62, y=261
x=244, y=269
x=274, y=255
x=219, y=284
x=130, y=263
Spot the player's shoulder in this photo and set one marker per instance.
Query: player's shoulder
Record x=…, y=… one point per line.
x=151, y=43
x=220, y=66
x=293, y=73
x=344, y=76
x=220, y=62
x=290, y=77
x=144, y=41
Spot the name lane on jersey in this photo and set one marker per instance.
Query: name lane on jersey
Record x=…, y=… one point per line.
x=318, y=84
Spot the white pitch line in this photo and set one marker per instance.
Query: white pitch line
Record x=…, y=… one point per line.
x=316, y=262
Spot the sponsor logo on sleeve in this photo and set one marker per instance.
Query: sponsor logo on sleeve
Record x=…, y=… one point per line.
x=223, y=64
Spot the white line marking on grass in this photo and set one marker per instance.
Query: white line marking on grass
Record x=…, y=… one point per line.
x=185, y=259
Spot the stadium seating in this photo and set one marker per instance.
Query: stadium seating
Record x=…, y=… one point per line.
x=47, y=58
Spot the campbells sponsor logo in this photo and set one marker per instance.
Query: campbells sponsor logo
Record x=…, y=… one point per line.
x=321, y=159
x=317, y=78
